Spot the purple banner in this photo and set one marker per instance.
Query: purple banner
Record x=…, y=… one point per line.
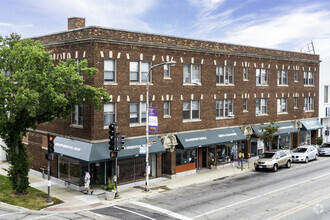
x=153, y=120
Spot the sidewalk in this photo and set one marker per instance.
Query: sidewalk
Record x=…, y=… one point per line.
x=75, y=201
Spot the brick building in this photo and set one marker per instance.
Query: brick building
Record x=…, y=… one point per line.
x=210, y=104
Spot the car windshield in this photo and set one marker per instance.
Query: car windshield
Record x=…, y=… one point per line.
x=325, y=146
x=300, y=150
x=267, y=155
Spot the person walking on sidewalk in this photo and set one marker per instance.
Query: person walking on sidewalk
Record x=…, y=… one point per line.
x=87, y=182
x=240, y=160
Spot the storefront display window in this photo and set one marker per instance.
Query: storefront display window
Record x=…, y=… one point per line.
x=305, y=137
x=225, y=153
x=284, y=141
x=71, y=170
x=185, y=156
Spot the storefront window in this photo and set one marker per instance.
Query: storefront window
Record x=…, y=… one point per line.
x=305, y=137
x=185, y=156
x=71, y=170
x=63, y=168
x=225, y=153
x=284, y=141
x=74, y=171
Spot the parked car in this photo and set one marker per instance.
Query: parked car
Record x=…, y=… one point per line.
x=324, y=149
x=304, y=153
x=273, y=160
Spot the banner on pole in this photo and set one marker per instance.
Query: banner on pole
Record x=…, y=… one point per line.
x=153, y=120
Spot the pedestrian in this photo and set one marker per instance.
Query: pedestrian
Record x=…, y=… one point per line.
x=87, y=182
x=240, y=160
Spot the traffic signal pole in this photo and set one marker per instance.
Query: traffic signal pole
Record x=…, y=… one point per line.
x=50, y=140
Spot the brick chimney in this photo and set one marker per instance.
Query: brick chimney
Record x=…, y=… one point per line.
x=75, y=22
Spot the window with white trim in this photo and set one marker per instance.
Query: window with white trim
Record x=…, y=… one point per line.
x=224, y=108
x=295, y=102
x=261, y=106
x=109, y=113
x=326, y=94
x=308, y=78
x=245, y=103
x=282, y=104
x=138, y=71
x=225, y=74
x=109, y=70
x=245, y=73
x=191, y=110
x=262, y=76
x=166, y=107
x=191, y=74
x=77, y=117
x=295, y=75
x=282, y=77
x=167, y=72
x=308, y=104
x=137, y=112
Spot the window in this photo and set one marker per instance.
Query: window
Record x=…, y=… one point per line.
x=167, y=71
x=326, y=94
x=225, y=74
x=261, y=76
x=245, y=73
x=185, y=156
x=224, y=108
x=295, y=102
x=245, y=102
x=109, y=114
x=138, y=113
x=77, y=115
x=190, y=110
x=191, y=74
x=138, y=71
x=295, y=75
x=308, y=78
x=282, y=77
x=166, y=106
x=309, y=104
x=261, y=106
x=109, y=70
x=282, y=105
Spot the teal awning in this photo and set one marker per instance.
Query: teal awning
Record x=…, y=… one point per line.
x=209, y=138
x=311, y=124
x=283, y=128
x=93, y=152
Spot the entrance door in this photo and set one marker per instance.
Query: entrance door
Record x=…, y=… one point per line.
x=97, y=173
x=204, y=157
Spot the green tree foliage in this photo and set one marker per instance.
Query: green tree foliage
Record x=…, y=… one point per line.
x=32, y=91
x=267, y=134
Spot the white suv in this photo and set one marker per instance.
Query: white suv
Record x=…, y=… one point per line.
x=304, y=153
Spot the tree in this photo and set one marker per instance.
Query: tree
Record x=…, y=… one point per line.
x=32, y=91
x=267, y=134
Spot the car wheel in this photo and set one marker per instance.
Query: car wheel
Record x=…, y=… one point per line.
x=306, y=160
x=275, y=167
x=316, y=156
x=288, y=164
x=257, y=169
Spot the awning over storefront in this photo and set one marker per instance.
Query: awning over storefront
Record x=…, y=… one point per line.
x=311, y=124
x=208, y=138
x=283, y=128
x=100, y=151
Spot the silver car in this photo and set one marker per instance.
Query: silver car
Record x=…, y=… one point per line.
x=324, y=149
x=304, y=153
x=273, y=160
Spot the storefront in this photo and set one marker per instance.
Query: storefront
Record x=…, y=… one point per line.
x=207, y=148
x=282, y=139
x=74, y=157
x=308, y=132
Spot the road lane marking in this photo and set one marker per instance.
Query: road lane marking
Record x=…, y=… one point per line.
x=243, y=201
x=158, y=209
x=136, y=213
x=300, y=207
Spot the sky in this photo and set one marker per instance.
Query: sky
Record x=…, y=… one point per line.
x=277, y=24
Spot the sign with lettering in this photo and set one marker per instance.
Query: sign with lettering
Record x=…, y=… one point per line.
x=153, y=120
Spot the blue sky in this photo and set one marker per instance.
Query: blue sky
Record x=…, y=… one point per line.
x=277, y=24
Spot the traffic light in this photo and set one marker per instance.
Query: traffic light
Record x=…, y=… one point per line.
x=121, y=141
x=112, y=136
x=50, y=139
x=113, y=154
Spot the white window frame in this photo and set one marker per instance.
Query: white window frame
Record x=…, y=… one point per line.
x=111, y=70
x=262, y=77
x=282, y=77
x=141, y=72
x=282, y=105
x=261, y=106
x=245, y=73
x=308, y=104
x=191, y=75
x=224, y=108
x=167, y=71
x=326, y=94
x=225, y=75
x=109, y=111
x=245, y=105
x=296, y=75
x=167, y=109
x=188, y=107
x=141, y=111
x=295, y=102
x=77, y=116
x=309, y=78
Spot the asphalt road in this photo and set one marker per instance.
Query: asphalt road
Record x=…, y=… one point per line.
x=301, y=192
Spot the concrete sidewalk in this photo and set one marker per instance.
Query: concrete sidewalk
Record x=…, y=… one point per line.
x=75, y=201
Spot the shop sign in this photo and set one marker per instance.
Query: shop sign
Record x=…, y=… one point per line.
x=195, y=139
x=67, y=147
x=153, y=120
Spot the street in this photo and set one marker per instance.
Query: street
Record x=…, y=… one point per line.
x=301, y=192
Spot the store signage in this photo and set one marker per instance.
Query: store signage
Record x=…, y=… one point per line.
x=59, y=145
x=153, y=120
x=311, y=124
x=286, y=127
x=195, y=139
x=227, y=135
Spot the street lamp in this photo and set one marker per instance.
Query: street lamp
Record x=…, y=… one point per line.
x=171, y=63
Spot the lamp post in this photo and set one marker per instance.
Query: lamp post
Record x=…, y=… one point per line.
x=171, y=63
